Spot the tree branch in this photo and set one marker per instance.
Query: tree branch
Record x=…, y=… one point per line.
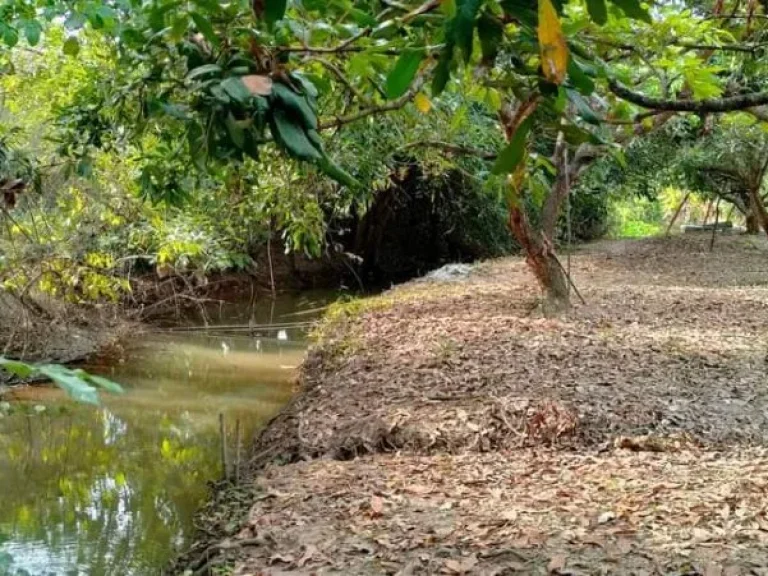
x=379, y=109
x=342, y=78
x=748, y=48
x=727, y=104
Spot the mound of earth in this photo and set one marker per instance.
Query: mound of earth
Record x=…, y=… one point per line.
x=449, y=428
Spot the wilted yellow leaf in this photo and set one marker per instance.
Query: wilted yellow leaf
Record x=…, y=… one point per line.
x=422, y=102
x=260, y=85
x=552, y=46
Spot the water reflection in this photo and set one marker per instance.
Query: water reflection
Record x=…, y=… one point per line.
x=113, y=490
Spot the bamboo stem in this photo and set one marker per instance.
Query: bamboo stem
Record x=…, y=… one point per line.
x=238, y=443
x=223, y=433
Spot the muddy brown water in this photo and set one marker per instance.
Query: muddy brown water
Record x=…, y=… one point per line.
x=114, y=489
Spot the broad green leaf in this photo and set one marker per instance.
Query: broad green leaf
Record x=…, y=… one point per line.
x=633, y=9
x=205, y=27
x=71, y=383
x=401, y=76
x=582, y=107
x=464, y=25
x=491, y=32
x=75, y=21
x=71, y=46
x=235, y=88
x=598, y=11
x=101, y=382
x=274, y=10
x=514, y=152
x=522, y=10
x=20, y=369
x=179, y=27
x=292, y=137
x=32, y=30
x=703, y=82
x=204, y=70
x=236, y=131
x=10, y=36
x=552, y=47
x=334, y=171
x=576, y=135
x=579, y=78
x=442, y=72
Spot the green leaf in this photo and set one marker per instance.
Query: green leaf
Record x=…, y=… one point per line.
x=235, y=88
x=633, y=9
x=32, y=30
x=10, y=36
x=511, y=156
x=84, y=167
x=101, y=382
x=20, y=369
x=291, y=136
x=523, y=10
x=491, y=32
x=448, y=7
x=71, y=383
x=71, y=46
x=274, y=11
x=205, y=27
x=598, y=11
x=331, y=169
x=464, y=25
x=236, y=132
x=204, y=70
x=575, y=135
x=582, y=107
x=579, y=78
x=198, y=146
x=442, y=73
x=401, y=76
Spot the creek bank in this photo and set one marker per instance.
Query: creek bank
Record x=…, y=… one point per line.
x=448, y=428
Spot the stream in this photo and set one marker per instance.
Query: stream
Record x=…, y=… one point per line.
x=114, y=489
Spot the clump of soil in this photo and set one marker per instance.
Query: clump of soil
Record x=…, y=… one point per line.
x=51, y=331
x=449, y=428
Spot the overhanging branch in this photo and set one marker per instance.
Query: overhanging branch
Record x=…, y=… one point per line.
x=714, y=105
x=372, y=110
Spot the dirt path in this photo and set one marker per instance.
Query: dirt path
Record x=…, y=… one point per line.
x=446, y=428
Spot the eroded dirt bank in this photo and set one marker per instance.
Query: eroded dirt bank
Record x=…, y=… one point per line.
x=447, y=428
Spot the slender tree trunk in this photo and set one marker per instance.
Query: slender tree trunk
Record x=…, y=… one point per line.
x=541, y=259
x=537, y=244
x=677, y=213
x=753, y=226
x=757, y=207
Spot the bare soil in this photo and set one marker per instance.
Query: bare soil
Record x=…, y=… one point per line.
x=448, y=428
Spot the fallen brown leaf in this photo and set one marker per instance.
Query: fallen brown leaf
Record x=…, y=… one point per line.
x=557, y=563
x=377, y=506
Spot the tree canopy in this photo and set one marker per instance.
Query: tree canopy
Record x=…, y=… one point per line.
x=192, y=90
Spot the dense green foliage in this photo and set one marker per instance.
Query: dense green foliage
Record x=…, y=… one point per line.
x=184, y=136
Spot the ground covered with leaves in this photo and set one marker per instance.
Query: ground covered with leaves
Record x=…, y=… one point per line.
x=448, y=428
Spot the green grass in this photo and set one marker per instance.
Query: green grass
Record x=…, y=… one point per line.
x=638, y=229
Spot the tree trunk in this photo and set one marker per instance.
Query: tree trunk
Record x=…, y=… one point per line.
x=753, y=226
x=537, y=244
x=757, y=207
x=541, y=259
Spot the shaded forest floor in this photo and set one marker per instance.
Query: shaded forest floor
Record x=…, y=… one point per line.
x=447, y=428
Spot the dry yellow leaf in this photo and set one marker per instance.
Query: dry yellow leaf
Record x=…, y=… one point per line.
x=552, y=46
x=261, y=85
x=422, y=102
